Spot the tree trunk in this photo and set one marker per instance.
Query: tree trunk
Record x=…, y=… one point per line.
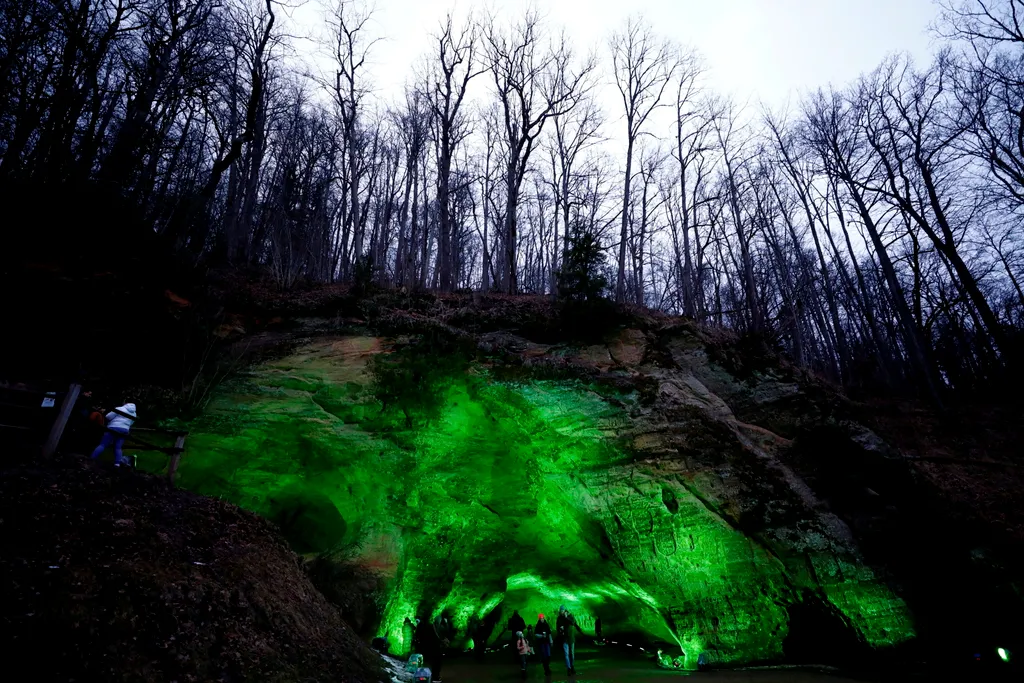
x=620, y=281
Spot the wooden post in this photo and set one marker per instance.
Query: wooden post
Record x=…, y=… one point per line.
x=57, y=430
x=172, y=469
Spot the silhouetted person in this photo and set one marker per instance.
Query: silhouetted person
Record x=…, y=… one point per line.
x=478, y=632
x=85, y=425
x=409, y=634
x=416, y=636
x=515, y=623
x=431, y=646
x=444, y=626
x=566, y=628
x=542, y=638
x=597, y=628
x=119, y=423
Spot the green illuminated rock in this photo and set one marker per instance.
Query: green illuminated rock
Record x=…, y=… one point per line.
x=650, y=505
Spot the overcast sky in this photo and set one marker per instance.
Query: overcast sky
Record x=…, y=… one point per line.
x=767, y=50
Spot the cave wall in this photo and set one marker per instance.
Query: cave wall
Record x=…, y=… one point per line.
x=663, y=513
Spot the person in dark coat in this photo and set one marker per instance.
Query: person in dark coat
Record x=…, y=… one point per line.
x=515, y=623
x=85, y=426
x=566, y=628
x=478, y=632
x=542, y=638
x=408, y=634
x=431, y=646
x=444, y=626
x=597, y=628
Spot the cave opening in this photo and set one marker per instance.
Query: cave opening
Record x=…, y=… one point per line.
x=496, y=495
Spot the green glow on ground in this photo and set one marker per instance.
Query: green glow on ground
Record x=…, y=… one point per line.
x=471, y=493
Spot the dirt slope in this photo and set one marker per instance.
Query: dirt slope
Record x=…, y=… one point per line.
x=109, y=575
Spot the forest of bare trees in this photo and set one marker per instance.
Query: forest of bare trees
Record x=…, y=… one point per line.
x=873, y=232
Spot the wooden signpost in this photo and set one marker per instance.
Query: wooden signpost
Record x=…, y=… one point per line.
x=57, y=430
x=172, y=469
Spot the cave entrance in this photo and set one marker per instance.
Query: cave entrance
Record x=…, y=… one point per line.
x=622, y=614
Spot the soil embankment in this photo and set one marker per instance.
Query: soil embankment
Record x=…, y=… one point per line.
x=111, y=576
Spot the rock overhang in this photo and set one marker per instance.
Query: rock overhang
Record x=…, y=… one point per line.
x=473, y=494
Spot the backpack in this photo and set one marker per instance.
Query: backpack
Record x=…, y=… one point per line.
x=422, y=674
x=414, y=663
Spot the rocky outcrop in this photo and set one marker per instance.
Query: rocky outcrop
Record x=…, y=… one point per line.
x=628, y=487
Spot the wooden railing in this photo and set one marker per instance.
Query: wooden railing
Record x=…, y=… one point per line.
x=68, y=399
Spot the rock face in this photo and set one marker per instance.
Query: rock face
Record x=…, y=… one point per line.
x=613, y=478
x=113, y=576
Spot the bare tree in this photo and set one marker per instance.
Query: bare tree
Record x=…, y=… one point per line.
x=834, y=133
x=874, y=234
x=643, y=66
x=188, y=212
x=351, y=46
x=737, y=152
x=913, y=138
x=455, y=67
x=574, y=134
x=692, y=152
x=534, y=82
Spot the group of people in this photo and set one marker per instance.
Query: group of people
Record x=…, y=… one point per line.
x=431, y=637
x=543, y=638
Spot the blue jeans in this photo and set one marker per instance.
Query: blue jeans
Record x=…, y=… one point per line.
x=115, y=438
x=570, y=654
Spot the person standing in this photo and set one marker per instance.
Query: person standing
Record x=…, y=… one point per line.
x=566, y=627
x=597, y=629
x=119, y=423
x=473, y=630
x=542, y=636
x=523, y=649
x=408, y=629
x=431, y=646
x=515, y=624
x=85, y=425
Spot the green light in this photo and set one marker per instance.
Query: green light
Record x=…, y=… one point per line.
x=475, y=494
x=1003, y=654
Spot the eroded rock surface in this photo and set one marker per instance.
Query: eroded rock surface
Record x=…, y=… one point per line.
x=634, y=492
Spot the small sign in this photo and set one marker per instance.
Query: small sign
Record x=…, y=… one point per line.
x=50, y=399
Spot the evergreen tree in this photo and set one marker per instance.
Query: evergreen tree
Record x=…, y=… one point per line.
x=580, y=278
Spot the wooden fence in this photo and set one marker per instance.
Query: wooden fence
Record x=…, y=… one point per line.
x=32, y=412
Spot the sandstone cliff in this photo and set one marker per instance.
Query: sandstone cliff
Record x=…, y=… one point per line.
x=637, y=478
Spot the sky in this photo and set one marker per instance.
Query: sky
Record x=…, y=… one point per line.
x=766, y=51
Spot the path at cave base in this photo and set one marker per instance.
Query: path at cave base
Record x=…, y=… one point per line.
x=601, y=665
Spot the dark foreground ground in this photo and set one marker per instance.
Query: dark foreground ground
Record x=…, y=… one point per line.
x=600, y=665
x=595, y=666
x=108, y=575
